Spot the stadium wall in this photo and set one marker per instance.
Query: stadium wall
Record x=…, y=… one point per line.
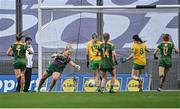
x=74, y=82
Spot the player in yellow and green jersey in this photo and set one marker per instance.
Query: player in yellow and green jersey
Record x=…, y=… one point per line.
x=139, y=50
x=165, y=62
x=18, y=49
x=93, y=56
x=108, y=61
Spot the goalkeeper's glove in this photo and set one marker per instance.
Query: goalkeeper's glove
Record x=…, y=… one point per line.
x=155, y=57
x=78, y=67
x=123, y=60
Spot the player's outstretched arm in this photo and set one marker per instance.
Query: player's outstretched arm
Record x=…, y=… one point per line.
x=130, y=56
x=124, y=59
x=9, y=52
x=78, y=67
x=155, y=52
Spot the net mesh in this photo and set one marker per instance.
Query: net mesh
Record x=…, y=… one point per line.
x=60, y=27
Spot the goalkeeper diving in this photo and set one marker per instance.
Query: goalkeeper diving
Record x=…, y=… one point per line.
x=56, y=67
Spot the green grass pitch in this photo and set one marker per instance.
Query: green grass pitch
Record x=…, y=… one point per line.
x=91, y=100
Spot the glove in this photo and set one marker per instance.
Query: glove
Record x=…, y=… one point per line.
x=155, y=57
x=87, y=63
x=78, y=67
x=123, y=60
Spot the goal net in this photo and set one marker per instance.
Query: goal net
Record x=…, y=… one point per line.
x=59, y=25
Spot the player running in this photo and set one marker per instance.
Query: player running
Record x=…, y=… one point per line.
x=108, y=61
x=56, y=67
x=93, y=57
x=138, y=54
x=18, y=50
x=165, y=62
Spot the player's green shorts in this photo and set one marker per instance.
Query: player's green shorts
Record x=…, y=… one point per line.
x=20, y=63
x=52, y=68
x=106, y=65
x=165, y=62
x=94, y=65
x=137, y=66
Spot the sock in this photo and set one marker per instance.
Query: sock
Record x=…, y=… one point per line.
x=161, y=83
x=40, y=84
x=19, y=84
x=53, y=82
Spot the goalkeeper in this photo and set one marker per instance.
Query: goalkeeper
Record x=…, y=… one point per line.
x=57, y=66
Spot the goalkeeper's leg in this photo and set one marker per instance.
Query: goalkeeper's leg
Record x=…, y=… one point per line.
x=44, y=77
x=55, y=77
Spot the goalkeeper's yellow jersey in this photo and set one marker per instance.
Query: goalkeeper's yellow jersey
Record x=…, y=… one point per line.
x=92, y=49
x=139, y=53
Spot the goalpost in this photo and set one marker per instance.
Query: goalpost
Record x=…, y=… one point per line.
x=50, y=35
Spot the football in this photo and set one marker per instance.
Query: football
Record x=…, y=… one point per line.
x=43, y=89
x=91, y=83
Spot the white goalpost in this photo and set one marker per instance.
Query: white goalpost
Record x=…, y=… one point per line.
x=52, y=27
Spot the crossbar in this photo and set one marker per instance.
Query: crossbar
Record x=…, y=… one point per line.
x=43, y=7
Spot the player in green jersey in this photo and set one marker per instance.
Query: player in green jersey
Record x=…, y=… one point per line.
x=108, y=61
x=18, y=50
x=165, y=62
